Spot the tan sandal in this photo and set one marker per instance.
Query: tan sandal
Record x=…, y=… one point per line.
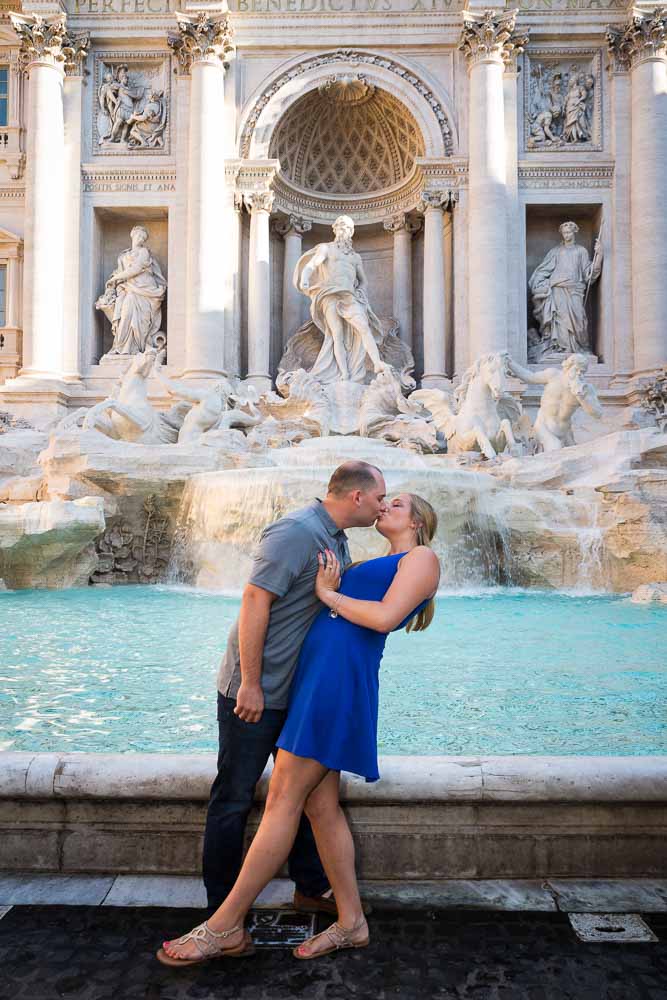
x=339, y=937
x=209, y=945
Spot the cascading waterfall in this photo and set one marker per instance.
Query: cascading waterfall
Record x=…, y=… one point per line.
x=489, y=534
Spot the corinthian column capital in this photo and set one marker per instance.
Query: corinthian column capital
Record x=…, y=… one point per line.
x=259, y=201
x=46, y=39
x=490, y=36
x=202, y=38
x=644, y=37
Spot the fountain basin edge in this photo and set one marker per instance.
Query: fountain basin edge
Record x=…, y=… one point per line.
x=428, y=818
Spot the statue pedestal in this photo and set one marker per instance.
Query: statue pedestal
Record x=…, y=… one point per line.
x=345, y=402
x=115, y=365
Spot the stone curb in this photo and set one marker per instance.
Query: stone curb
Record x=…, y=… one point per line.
x=188, y=777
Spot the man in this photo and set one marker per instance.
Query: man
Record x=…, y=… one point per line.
x=565, y=389
x=277, y=608
x=332, y=275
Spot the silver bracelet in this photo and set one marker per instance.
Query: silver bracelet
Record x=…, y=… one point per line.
x=334, y=611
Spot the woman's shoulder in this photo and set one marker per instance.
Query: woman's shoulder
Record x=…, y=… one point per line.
x=422, y=554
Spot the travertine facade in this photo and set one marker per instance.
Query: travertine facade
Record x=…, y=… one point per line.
x=457, y=138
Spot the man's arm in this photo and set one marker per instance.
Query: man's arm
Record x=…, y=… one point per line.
x=253, y=623
x=318, y=258
x=535, y=378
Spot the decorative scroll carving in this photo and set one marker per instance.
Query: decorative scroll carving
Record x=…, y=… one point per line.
x=353, y=56
x=410, y=223
x=201, y=37
x=645, y=37
x=286, y=224
x=259, y=201
x=47, y=38
x=433, y=198
x=491, y=35
x=563, y=101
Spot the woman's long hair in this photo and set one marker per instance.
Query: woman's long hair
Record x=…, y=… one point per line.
x=427, y=524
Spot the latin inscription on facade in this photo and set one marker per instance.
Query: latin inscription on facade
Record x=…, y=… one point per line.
x=143, y=7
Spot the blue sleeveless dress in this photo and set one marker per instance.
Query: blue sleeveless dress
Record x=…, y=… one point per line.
x=333, y=707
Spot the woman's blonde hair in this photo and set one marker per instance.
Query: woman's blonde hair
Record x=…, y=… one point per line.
x=427, y=524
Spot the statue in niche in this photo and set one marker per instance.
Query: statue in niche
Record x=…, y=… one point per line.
x=565, y=390
x=560, y=105
x=333, y=277
x=559, y=287
x=132, y=298
x=130, y=113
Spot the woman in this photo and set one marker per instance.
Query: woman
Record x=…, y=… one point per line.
x=331, y=726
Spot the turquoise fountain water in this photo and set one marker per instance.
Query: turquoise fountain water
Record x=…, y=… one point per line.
x=500, y=671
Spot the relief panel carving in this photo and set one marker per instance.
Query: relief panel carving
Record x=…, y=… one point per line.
x=563, y=100
x=132, y=103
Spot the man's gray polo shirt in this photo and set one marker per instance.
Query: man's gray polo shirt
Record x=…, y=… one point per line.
x=285, y=563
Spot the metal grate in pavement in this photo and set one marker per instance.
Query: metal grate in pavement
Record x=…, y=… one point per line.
x=280, y=928
x=616, y=927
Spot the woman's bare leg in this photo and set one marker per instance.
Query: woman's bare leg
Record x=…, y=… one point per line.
x=292, y=781
x=336, y=849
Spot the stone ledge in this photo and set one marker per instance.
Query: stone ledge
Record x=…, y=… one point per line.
x=406, y=779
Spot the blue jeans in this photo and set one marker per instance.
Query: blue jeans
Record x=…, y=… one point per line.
x=244, y=749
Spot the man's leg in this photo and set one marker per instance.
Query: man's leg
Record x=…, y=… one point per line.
x=335, y=328
x=244, y=749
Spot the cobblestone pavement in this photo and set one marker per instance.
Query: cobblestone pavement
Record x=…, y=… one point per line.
x=99, y=953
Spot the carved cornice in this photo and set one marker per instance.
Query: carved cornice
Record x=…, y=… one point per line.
x=46, y=39
x=403, y=222
x=644, y=37
x=286, y=224
x=201, y=38
x=357, y=57
x=546, y=177
x=491, y=36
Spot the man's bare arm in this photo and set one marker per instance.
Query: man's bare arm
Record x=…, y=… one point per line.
x=253, y=623
x=534, y=378
x=318, y=258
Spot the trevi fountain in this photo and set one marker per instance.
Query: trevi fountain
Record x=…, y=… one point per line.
x=241, y=245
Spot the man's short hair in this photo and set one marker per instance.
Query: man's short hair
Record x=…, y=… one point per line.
x=353, y=476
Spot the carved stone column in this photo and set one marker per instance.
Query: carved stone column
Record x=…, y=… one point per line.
x=431, y=205
x=259, y=205
x=73, y=115
x=201, y=45
x=403, y=227
x=46, y=50
x=641, y=46
x=291, y=228
x=488, y=42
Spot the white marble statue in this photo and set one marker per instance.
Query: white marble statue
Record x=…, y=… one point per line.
x=127, y=415
x=483, y=411
x=333, y=277
x=559, y=287
x=209, y=408
x=565, y=389
x=386, y=414
x=132, y=298
x=147, y=126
